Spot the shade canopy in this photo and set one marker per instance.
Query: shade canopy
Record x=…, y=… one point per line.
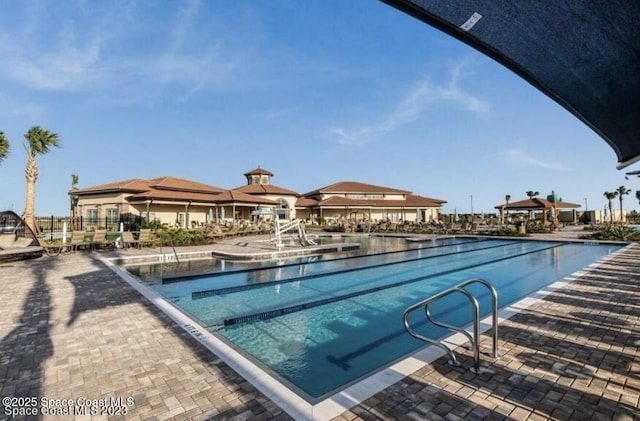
x=536, y=203
x=583, y=54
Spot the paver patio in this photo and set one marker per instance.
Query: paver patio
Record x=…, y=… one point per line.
x=71, y=328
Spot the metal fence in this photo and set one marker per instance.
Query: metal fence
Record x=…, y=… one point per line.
x=51, y=227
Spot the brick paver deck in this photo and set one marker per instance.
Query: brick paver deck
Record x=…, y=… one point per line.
x=71, y=328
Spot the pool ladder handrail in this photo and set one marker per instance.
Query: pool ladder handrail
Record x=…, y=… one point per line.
x=473, y=340
x=170, y=237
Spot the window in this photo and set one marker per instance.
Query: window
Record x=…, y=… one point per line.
x=283, y=209
x=92, y=216
x=150, y=216
x=364, y=196
x=112, y=215
x=181, y=219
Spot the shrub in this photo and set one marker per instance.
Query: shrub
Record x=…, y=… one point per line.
x=615, y=231
x=183, y=237
x=536, y=228
x=334, y=228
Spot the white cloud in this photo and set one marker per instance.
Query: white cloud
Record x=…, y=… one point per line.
x=518, y=156
x=16, y=108
x=99, y=53
x=422, y=95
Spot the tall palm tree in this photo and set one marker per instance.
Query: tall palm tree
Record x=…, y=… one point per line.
x=507, y=198
x=39, y=142
x=638, y=195
x=4, y=147
x=610, y=196
x=532, y=194
x=74, y=197
x=622, y=191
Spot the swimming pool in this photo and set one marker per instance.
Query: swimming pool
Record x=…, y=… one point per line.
x=321, y=325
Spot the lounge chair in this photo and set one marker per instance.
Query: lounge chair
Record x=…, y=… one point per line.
x=77, y=240
x=215, y=233
x=146, y=237
x=234, y=231
x=13, y=247
x=265, y=228
x=128, y=240
x=100, y=240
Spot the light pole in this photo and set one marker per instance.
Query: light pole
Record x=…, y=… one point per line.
x=471, y=196
x=586, y=211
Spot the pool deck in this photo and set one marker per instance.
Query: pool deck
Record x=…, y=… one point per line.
x=72, y=328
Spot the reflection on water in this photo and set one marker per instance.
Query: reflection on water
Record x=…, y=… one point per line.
x=155, y=272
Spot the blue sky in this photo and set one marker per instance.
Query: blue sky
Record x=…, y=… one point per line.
x=317, y=92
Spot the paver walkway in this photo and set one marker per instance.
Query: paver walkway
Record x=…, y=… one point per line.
x=70, y=328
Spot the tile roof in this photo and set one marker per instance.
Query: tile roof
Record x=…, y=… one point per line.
x=180, y=189
x=259, y=171
x=131, y=185
x=305, y=202
x=343, y=201
x=231, y=196
x=536, y=203
x=225, y=196
x=175, y=183
x=411, y=201
x=264, y=189
x=415, y=200
x=141, y=185
x=355, y=187
x=174, y=195
x=174, y=189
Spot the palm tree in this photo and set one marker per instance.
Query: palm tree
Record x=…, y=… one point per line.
x=610, y=196
x=507, y=197
x=74, y=197
x=39, y=142
x=622, y=191
x=532, y=194
x=4, y=147
x=638, y=195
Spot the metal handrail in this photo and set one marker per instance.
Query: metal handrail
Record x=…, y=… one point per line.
x=170, y=237
x=476, y=321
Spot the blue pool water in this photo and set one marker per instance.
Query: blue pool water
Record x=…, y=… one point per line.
x=320, y=325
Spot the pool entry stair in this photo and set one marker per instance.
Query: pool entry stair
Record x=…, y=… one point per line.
x=473, y=340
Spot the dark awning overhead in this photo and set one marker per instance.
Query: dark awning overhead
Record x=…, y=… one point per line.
x=583, y=54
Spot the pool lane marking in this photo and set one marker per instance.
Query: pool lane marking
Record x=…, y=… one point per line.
x=342, y=361
x=266, y=315
x=174, y=279
x=240, y=288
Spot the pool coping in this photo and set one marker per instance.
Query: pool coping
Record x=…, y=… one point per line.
x=336, y=404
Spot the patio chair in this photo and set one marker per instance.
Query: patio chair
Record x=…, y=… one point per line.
x=77, y=240
x=234, y=231
x=100, y=239
x=215, y=233
x=128, y=240
x=146, y=237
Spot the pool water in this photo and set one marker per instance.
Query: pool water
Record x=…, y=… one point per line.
x=323, y=324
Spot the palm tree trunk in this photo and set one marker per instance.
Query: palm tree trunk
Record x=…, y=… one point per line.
x=31, y=174
x=610, y=212
x=621, y=214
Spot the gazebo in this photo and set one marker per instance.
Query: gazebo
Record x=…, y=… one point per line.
x=538, y=204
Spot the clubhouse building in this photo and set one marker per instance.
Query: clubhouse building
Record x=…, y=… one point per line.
x=185, y=203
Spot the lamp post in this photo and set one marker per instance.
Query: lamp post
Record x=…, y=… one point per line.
x=471, y=196
x=586, y=212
